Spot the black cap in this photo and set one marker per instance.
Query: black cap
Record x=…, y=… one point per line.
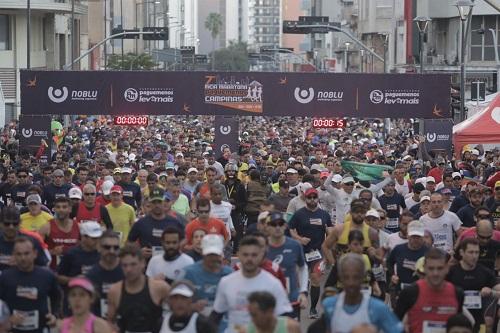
x=283, y=183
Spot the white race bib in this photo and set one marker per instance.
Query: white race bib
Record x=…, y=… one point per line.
x=313, y=255
x=433, y=327
x=392, y=223
x=157, y=250
x=104, y=308
x=30, y=320
x=472, y=299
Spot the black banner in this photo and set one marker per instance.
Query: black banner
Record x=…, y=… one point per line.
x=236, y=93
x=438, y=134
x=35, y=137
x=226, y=134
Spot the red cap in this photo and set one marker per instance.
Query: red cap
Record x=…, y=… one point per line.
x=116, y=189
x=324, y=174
x=311, y=191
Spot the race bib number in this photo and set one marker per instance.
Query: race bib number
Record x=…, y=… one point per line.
x=405, y=285
x=157, y=233
x=104, y=308
x=157, y=250
x=433, y=327
x=18, y=205
x=5, y=259
x=128, y=194
x=313, y=256
x=378, y=272
x=392, y=223
x=472, y=299
x=30, y=320
x=315, y=222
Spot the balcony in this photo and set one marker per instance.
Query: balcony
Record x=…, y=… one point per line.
x=53, y=6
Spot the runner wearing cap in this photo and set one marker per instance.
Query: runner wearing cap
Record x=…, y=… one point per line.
x=75, y=195
x=289, y=255
x=104, y=198
x=206, y=273
x=169, y=264
x=27, y=289
x=131, y=191
x=309, y=226
x=35, y=218
x=121, y=214
x=61, y=233
x=57, y=188
x=148, y=230
x=182, y=317
x=135, y=304
x=299, y=201
x=81, y=294
x=106, y=272
x=292, y=177
x=191, y=182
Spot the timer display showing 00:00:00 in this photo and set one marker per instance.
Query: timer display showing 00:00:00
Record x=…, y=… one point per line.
x=131, y=120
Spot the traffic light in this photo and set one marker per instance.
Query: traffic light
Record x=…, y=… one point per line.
x=455, y=100
x=160, y=33
x=119, y=29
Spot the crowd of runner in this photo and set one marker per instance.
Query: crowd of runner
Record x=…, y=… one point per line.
x=133, y=229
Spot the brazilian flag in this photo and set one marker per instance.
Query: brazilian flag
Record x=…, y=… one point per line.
x=365, y=171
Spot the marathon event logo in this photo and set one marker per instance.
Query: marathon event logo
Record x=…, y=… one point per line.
x=305, y=96
x=438, y=134
x=62, y=94
x=395, y=96
x=241, y=94
x=149, y=95
x=35, y=137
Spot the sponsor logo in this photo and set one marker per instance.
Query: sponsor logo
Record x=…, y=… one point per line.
x=395, y=96
x=305, y=96
x=433, y=137
x=243, y=94
x=27, y=133
x=57, y=95
x=225, y=130
x=149, y=95
x=61, y=95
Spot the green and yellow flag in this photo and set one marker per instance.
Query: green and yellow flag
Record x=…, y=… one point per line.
x=365, y=171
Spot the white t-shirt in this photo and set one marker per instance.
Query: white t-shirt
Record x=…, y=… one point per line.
x=442, y=229
x=171, y=269
x=402, y=189
x=222, y=211
x=232, y=293
x=410, y=202
x=393, y=240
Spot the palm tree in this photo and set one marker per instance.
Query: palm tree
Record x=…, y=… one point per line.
x=213, y=23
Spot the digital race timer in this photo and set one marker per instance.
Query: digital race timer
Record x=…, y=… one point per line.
x=131, y=120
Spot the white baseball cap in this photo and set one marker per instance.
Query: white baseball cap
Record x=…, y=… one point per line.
x=212, y=244
x=347, y=179
x=424, y=198
x=75, y=193
x=291, y=170
x=456, y=174
x=305, y=186
x=337, y=178
x=91, y=229
x=106, y=187
x=373, y=213
x=430, y=179
x=416, y=228
x=192, y=170
x=182, y=288
x=149, y=163
x=126, y=170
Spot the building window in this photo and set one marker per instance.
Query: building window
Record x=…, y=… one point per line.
x=482, y=45
x=4, y=33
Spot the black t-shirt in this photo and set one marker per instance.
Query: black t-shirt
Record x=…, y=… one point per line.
x=466, y=215
x=148, y=231
x=204, y=325
x=475, y=279
x=28, y=292
x=77, y=261
x=102, y=280
x=311, y=225
x=392, y=206
x=488, y=254
x=7, y=248
x=494, y=207
x=405, y=260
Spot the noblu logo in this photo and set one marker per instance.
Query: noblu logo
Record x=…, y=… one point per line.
x=304, y=96
x=27, y=133
x=61, y=95
x=431, y=137
x=225, y=130
x=58, y=95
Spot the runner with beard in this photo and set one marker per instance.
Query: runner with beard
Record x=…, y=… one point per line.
x=309, y=226
x=237, y=198
x=169, y=265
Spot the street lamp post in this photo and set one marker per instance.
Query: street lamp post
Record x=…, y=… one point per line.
x=464, y=9
x=422, y=24
x=28, y=35
x=346, y=58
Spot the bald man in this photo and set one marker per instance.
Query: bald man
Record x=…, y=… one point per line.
x=488, y=247
x=89, y=210
x=358, y=307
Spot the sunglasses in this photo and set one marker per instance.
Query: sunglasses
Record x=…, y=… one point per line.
x=483, y=216
x=89, y=194
x=276, y=223
x=22, y=176
x=311, y=197
x=11, y=224
x=349, y=184
x=111, y=247
x=203, y=212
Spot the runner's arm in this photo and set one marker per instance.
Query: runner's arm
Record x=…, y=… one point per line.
x=406, y=300
x=215, y=318
x=106, y=219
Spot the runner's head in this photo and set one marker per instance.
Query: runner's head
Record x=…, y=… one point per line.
x=171, y=242
x=212, y=247
x=250, y=253
x=203, y=209
x=132, y=262
x=469, y=251
x=484, y=231
x=109, y=246
x=181, y=297
x=356, y=241
x=81, y=295
x=24, y=253
x=458, y=324
x=436, y=267
x=351, y=270
x=436, y=203
x=261, y=305
x=358, y=211
x=62, y=208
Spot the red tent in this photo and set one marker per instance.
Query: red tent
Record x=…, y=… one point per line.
x=481, y=128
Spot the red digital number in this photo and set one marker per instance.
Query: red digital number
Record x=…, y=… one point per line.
x=328, y=123
x=131, y=120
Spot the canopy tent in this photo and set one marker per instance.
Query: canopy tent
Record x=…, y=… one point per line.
x=481, y=128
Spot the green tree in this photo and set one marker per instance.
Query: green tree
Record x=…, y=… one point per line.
x=131, y=61
x=232, y=58
x=213, y=23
